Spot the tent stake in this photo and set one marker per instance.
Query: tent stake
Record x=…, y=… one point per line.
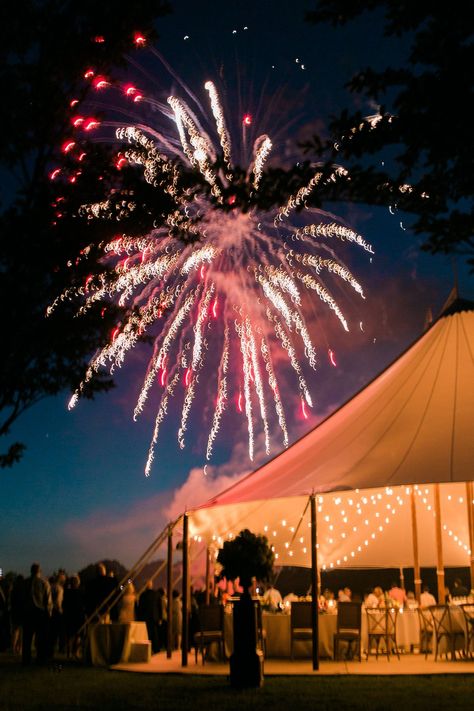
x=314, y=584
x=439, y=548
x=185, y=601
x=414, y=533
x=470, y=518
x=169, y=600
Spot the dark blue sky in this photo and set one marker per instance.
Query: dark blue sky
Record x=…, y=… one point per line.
x=80, y=494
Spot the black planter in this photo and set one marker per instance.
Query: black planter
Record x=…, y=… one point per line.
x=246, y=661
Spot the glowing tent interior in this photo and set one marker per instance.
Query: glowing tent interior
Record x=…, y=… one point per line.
x=409, y=430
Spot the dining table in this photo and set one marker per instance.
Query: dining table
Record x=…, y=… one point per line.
x=277, y=631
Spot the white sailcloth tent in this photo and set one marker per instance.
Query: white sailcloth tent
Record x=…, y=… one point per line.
x=411, y=427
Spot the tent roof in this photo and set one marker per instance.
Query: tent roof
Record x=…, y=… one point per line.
x=411, y=424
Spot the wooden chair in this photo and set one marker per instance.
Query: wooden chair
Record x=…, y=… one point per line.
x=349, y=617
x=300, y=623
x=468, y=612
x=211, y=629
x=382, y=626
x=445, y=629
x=426, y=630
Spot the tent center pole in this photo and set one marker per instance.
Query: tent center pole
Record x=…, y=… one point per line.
x=470, y=519
x=314, y=584
x=439, y=548
x=414, y=534
x=185, y=602
x=169, y=592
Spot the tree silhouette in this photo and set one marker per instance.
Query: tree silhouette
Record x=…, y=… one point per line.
x=422, y=122
x=45, y=47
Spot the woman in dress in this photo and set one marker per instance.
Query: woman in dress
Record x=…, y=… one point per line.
x=127, y=605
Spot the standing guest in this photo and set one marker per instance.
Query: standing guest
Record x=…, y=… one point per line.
x=17, y=611
x=162, y=619
x=177, y=620
x=397, y=594
x=127, y=605
x=426, y=598
x=38, y=608
x=4, y=615
x=57, y=622
x=74, y=615
x=97, y=591
x=149, y=611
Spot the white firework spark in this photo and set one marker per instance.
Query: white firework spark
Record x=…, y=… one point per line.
x=232, y=298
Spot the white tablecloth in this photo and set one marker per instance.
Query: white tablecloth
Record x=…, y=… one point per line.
x=407, y=630
x=112, y=643
x=458, y=625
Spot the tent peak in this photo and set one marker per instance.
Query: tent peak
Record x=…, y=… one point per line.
x=455, y=304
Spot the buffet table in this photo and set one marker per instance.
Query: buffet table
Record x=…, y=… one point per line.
x=112, y=643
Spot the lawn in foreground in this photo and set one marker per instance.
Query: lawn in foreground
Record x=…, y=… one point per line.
x=91, y=688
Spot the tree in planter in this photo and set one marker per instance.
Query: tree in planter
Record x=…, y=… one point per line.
x=246, y=556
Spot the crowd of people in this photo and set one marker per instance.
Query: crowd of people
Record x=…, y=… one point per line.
x=49, y=615
x=53, y=612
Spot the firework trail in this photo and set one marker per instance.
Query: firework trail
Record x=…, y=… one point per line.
x=222, y=308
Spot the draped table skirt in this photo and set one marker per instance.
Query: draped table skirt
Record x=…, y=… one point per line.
x=112, y=643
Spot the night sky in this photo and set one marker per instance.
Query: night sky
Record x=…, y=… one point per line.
x=79, y=494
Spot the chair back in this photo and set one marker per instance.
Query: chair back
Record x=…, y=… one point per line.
x=300, y=615
x=441, y=619
x=349, y=616
x=376, y=621
x=211, y=618
x=426, y=620
x=468, y=612
x=391, y=620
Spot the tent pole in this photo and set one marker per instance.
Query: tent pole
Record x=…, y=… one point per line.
x=439, y=548
x=314, y=584
x=470, y=519
x=169, y=599
x=414, y=535
x=185, y=601
x=208, y=575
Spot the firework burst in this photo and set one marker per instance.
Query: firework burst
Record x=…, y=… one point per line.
x=225, y=306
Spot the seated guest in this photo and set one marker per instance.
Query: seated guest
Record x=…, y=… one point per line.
x=370, y=599
x=272, y=598
x=288, y=599
x=459, y=590
x=344, y=595
x=426, y=598
x=379, y=594
x=397, y=594
x=412, y=602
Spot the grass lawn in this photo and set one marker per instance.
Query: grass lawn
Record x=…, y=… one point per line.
x=78, y=687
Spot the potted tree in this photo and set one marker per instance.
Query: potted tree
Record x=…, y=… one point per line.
x=246, y=556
